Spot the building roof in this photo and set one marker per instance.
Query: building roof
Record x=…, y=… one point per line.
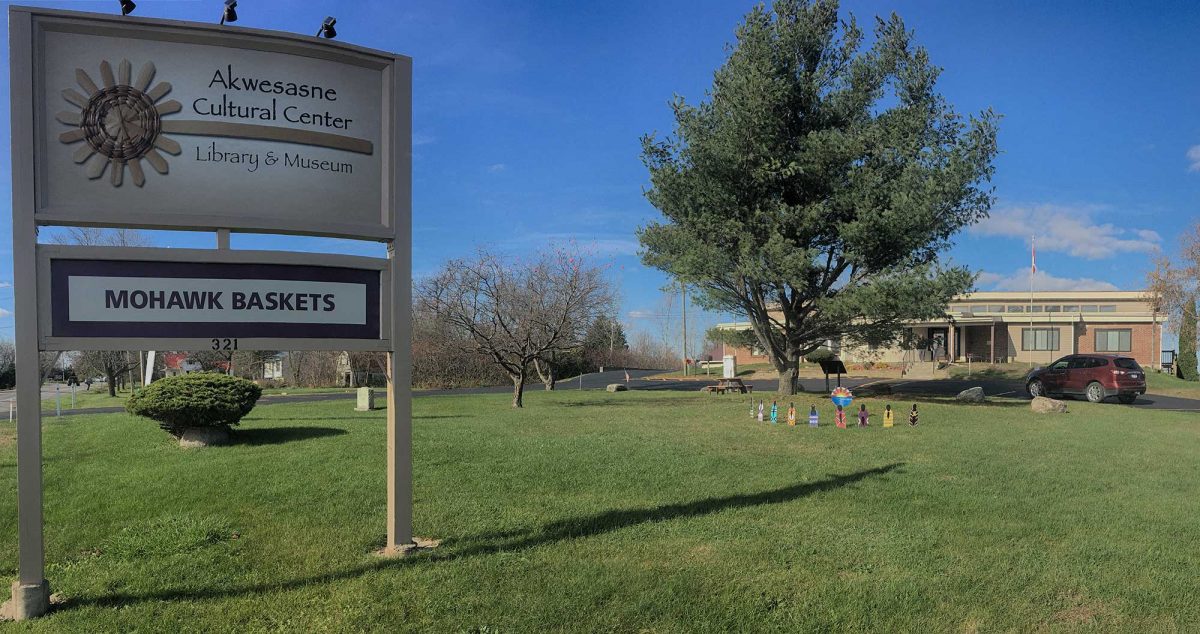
x=1080, y=296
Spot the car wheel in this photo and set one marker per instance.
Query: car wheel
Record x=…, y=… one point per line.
x=1095, y=392
x=1127, y=398
x=1036, y=389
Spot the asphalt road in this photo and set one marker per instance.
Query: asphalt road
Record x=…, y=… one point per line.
x=1009, y=388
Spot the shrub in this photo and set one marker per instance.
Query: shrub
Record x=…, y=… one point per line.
x=819, y=355
x=201, y=399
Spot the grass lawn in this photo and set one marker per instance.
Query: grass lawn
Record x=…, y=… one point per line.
x=1170, y=385
x=87, y=399
x=667, y=512
x=979, y=370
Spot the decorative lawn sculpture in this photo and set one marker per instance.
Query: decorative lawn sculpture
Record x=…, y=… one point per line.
x=813, y=417
x=912, y=416
x=839, y=418
x=888, y=419
x=791, y=415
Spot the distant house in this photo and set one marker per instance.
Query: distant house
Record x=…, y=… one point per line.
x=1000, y=327
x=176, y=363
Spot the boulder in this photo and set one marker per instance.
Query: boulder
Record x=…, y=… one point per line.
x=971, y=395
x=204, y=437
x=1043, y=405
x=616, y=387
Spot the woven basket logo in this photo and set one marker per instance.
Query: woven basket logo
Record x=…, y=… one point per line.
x=119, y=123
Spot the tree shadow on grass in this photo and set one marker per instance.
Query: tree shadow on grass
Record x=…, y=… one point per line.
x=281, y=435
x=509, y=541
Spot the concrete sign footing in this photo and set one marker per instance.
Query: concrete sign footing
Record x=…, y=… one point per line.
x=419, y=544
x=28, y=601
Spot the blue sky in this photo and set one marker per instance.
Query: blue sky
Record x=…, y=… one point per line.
x=527, y=117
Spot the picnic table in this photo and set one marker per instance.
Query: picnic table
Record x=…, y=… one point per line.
x=728, y=385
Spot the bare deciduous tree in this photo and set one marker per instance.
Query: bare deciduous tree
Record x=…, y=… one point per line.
x=515, y=312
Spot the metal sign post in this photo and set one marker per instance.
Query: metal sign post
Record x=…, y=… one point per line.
x=319, y=145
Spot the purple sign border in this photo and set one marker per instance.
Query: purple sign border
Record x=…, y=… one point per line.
x=61, y=325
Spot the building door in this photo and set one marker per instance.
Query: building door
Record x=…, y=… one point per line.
x=937, y=342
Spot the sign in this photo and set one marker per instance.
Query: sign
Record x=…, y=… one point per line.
x=98, y=294
x=159, y=124
x=841, y=397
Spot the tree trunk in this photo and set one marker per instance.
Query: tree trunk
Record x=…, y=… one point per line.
x=789, y=375
x=518, y=389
x=111, y=378
x=547, y=376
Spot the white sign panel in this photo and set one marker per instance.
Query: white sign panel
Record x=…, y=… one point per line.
x=150, y=299
x=151, y=123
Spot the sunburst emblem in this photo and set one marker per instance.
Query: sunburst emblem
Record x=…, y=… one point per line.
x=120, y=123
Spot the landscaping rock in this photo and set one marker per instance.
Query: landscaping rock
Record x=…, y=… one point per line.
x=1043, y=405
x=616, y=387
x=204, y=437
x=971, y=395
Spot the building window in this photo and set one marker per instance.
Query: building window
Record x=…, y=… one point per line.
x=995, y=309
x=1108, y=309
x=1035, y=309
x=1016, y=309
x=1039, y=339
x=1070, y=308
x=1115, y=340
x=1089, y=308
x=1053, y=309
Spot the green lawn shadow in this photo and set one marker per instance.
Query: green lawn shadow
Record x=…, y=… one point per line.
x=508, y=541
x=280, y=435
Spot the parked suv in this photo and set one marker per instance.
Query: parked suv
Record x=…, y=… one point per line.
x=1095, y=376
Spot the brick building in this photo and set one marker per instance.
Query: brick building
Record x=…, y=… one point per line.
x=1000, y=327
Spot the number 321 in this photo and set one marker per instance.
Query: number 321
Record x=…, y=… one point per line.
x=224, y=344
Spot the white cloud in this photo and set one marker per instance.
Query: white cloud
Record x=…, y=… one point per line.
x=1193, y=156
x=1043, y=281
x=642, y=314
x=422, y=139
x=496, y=168
x=5, y=312
x=1068, y=229
x=5, y=284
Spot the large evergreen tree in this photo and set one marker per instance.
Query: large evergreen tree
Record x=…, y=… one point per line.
x=814, y=189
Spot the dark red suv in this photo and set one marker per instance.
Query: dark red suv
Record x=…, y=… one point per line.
x=1096, y=376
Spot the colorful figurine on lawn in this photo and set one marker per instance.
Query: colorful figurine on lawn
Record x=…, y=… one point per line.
x=813, y=417
x=839, y=418
x=760, y=410
x=791, y=415
x=912, y=416
x=774, y=412
x=888, y=419
x=862, y=415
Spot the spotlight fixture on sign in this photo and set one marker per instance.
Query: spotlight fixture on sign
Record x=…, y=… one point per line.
x=127, y=7
x=230, y=12
x=327, y=31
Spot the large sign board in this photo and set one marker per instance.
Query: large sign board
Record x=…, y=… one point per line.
x=105, y=298
x=162, y=124
x=122, y=121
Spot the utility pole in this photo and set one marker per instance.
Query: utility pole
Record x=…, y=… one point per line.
x=683, y=294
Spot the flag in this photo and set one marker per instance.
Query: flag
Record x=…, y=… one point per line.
x=1033, y=256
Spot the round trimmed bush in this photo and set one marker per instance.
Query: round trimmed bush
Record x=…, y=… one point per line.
x=200, y=399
